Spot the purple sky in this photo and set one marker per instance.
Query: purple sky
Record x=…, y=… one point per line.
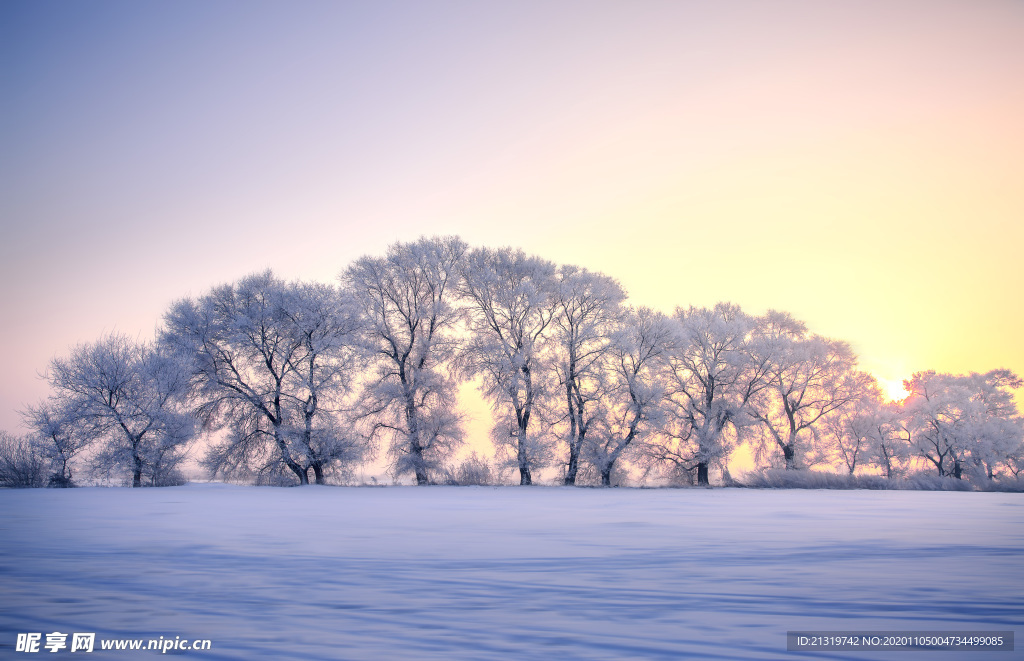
x=859, y=164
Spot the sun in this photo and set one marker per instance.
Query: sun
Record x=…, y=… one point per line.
x=893, y=389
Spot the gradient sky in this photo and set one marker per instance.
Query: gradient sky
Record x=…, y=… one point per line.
x=858, y=164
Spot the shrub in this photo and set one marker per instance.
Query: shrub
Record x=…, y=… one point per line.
x=59, y=481
x=1007, y=484
x=806, y=479
x=22, y=465
x=169, y=478
x=932, y=482
x=475, y=470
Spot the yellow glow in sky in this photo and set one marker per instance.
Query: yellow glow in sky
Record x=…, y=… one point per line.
x=858, y=164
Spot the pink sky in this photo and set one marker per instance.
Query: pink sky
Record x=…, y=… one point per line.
x=859, y=164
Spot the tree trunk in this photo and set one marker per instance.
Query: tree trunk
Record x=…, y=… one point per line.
x=282, y=447
x=574, y=466
x=307, y=439
x=574, y=446
x=957, y=469
x=702, y=474
x=525, y=478
x=421, y=471
x=413, y=435
x=299, y=471
x=417, y=462
x=790, y=454
x=136, y=470
x=606, y=476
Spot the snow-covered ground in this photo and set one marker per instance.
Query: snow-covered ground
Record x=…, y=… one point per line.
x=506, y=573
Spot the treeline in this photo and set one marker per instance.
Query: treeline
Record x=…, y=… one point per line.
x=299, y=382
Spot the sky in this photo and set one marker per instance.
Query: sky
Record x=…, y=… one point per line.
x=857, y=164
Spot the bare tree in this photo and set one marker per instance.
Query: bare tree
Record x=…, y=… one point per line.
x=587, y=305
x=512, y=299
x=326, y=322
x=1015, y=462
x=888, y=438
x=264, y=358
x=632, y=407
x=713, y=376
x=998, y=428
x=241, y=355
x=853, y=432
x=125, y=397
x=958, y=422
x=408, y=302
x=58, y=437
x=809, y=377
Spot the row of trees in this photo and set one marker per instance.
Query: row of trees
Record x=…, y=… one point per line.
x=306, y=381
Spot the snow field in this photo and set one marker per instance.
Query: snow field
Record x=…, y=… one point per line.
x=507, y=572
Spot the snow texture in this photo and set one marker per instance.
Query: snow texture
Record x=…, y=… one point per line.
x=506, y=573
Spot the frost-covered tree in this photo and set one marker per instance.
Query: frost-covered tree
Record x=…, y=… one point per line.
x=265, y=356
x=712, y=378
x=408, y=300
x=856, y=432
x=327, y=324
x=888, y=440
x=963, y=423
x=124, y=398
x=630, y=408
x=58, y=437
x=1015, y=462
x=809, y=377
x=587, y=309
x=22, y=462
x=998, y=426
x=512, y=301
